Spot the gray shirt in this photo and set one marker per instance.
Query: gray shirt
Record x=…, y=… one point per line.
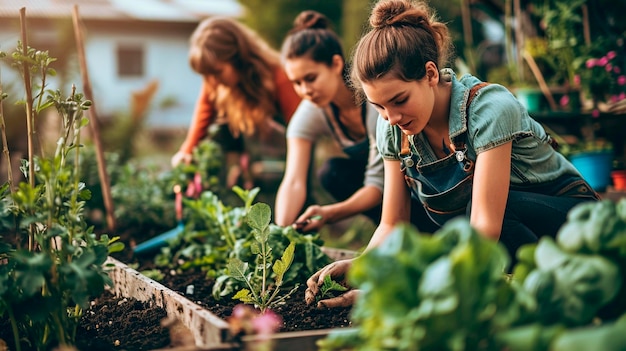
x=310, y=122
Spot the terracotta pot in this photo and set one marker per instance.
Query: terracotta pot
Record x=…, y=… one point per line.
x=619, y=179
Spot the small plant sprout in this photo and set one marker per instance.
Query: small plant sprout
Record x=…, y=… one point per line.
x=329, y=288
x=261, y=293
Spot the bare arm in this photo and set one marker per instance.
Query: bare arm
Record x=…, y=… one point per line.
x=292, y=190
x=396, y=203
x=490, y=190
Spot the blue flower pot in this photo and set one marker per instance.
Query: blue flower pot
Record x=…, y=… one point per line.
x=595, y=167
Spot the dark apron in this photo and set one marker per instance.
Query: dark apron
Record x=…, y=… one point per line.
x=359, y=150
x=444, y=187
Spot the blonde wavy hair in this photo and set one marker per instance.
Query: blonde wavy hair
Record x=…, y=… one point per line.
x=248, y=105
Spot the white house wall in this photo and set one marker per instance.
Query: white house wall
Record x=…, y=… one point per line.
x=165, y=61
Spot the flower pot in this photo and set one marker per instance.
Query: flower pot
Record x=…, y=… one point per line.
x=619, y=179
x=595, y=167
x=532, y=99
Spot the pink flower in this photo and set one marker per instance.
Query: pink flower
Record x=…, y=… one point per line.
x=621, y=80
x=616, y=70
x=622, y=96
x=602, y=61
x=614, y=98
x=595, y=113
x=577, y=80
x=591, y=63
x=564, y=100
x=611, y=55
x=608, y=67
x=267, y=323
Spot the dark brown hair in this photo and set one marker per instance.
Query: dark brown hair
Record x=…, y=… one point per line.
x=312, y=37
x=404, y=36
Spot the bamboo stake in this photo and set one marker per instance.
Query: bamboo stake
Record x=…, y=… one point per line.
x=586, y=31
x=539, y=77
x=5, y=144
x=94, y=123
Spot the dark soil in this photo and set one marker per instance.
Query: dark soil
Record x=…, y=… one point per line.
x=114, y=323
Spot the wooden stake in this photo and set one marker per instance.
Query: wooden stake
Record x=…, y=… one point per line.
x=539, y=77
x=94, y=123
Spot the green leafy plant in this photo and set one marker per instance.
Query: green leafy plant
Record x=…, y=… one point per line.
x=57, y=263
x=329, y=289
x=259, y=292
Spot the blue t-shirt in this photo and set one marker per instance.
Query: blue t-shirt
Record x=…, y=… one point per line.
x=495, y=117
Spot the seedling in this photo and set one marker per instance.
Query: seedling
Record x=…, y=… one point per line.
x=329, y=289
x=260, y=293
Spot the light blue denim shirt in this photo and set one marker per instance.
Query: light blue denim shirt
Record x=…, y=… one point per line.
x=495, y=117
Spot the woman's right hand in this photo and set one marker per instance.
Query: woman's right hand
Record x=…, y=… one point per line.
x=179, y=157
x=337, y=271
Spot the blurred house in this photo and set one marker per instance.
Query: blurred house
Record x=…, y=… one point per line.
x=130, y=45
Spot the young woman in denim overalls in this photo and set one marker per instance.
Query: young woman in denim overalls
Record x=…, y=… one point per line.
x=461, y=146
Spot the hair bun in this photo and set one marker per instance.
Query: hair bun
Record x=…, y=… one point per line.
x=396, y=12
x=310, y=20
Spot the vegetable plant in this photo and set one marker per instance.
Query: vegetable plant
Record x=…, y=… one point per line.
x=449, y=291
x=260, y=292
x=215, y=232
x=329, y=289
x=55, y=266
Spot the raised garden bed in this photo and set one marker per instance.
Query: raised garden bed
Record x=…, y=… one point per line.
x=209, y=330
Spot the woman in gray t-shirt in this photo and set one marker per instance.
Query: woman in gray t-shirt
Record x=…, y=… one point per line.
x=314, y=62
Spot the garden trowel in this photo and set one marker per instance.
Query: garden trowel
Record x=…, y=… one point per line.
x=154, y=244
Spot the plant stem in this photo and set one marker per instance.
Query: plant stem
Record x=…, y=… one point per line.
x=16, y=334
x=29, y=116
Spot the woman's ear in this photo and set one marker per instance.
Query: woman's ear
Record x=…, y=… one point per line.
x=432, y=72
x=338, y=64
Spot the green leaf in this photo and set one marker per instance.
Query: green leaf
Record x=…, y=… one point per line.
x=244, y=296
x=237, y=269
x=259, y=216
x=281, y=266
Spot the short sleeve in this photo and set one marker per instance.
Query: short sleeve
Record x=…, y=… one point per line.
x=308, y=122
x=495, y=118
x=386, y=140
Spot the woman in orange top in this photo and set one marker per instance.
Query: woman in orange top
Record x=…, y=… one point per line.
x=244, y=88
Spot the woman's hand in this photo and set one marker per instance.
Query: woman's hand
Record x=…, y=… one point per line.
x=180, y=157
x=312, y=219
x=337, y=271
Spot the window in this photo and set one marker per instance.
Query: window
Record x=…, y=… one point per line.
x=130, y=61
